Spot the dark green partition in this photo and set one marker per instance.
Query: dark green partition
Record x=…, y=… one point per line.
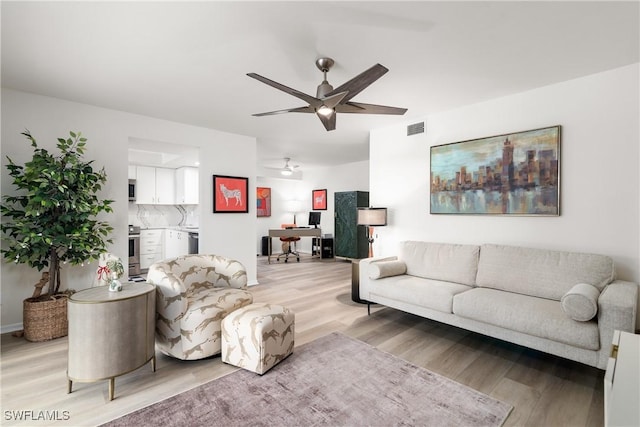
x=350, y=238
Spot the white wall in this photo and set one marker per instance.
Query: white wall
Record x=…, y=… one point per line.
x=348, y=177
x=599, y=115
x=108, y=133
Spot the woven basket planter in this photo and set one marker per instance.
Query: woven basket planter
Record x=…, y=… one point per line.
x=45, y=320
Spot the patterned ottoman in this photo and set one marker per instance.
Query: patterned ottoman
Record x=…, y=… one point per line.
x=258, y=336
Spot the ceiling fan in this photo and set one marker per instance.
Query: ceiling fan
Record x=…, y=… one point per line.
x=329, y=101
x=287, y=169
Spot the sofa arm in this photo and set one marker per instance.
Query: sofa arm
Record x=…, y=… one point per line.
x=229, y=273
x=171, y=301
x=363, y=267
x=617, y=309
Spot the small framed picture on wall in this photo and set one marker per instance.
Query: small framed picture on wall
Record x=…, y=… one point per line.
x=263, y=201
x=319, y=200
x=230, y=194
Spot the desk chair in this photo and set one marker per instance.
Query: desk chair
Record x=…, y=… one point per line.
x=286, y=245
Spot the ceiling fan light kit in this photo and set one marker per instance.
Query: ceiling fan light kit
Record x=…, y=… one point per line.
x=287, y=170
x=329, y=101
x=325, y=111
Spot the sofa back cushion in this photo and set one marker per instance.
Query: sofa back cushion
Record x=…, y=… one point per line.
x=441, y=261
x=541, y=273
x=201, y=270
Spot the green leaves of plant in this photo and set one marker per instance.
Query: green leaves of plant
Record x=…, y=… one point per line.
x=52, y=218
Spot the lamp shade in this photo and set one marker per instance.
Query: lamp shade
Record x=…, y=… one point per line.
x=294, y=206
x=372, y=216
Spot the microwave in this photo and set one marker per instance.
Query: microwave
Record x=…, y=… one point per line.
x=132, y=190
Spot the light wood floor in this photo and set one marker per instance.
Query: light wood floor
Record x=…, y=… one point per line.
x=545, y=390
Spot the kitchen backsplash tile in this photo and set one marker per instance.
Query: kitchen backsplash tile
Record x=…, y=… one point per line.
x=162, y=216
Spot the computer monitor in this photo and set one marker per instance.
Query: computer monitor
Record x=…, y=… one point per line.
x=314, y=219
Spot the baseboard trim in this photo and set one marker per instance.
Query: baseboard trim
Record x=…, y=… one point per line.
x=5, y=329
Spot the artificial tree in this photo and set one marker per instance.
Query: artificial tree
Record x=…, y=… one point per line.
x=52, y=220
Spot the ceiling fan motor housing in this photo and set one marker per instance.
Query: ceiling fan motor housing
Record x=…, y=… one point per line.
x=323, y=89
x=324, y=65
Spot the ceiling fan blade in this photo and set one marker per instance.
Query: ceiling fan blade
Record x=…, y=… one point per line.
x=360, y=108
x=314, y=102
x=360, y=82
x=329, y=121
x=307, y=109
x=333, y=100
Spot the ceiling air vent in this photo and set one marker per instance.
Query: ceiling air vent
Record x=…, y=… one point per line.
x=415, y=128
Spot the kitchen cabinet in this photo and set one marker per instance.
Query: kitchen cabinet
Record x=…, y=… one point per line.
x=155, y=186
x=132, y=172
x=176, y=243
x=187, y=180
x=151, y=247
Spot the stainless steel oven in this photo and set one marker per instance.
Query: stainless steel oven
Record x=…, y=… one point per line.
x=134, y=250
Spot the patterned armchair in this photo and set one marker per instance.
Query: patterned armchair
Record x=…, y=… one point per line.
x=194, y=294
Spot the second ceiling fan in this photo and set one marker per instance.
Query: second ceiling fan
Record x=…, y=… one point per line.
x=329, y=101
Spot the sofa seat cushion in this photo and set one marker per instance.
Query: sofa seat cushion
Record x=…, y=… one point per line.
x=541, y=273
x=433, y=294
x=441, y=261
x=539, y=317
x=207, y=308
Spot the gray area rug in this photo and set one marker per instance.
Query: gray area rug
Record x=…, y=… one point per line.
x=334, y=380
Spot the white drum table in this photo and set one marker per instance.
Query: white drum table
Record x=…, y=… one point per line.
x=110, y=333
x=622, y=381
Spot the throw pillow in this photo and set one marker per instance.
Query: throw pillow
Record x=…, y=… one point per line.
x=581, y=302
x=378, y=270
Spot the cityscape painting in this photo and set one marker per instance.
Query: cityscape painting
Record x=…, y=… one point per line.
x=511, y=174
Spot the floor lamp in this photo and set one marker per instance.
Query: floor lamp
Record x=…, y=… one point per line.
x=372, y=217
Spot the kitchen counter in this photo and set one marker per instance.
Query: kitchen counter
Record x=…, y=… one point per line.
x=190, y=228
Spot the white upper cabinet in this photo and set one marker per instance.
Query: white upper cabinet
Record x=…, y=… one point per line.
x=165, y=186
x=187, y=179
x=145, y=185
x=155, y=186
x=132, y=171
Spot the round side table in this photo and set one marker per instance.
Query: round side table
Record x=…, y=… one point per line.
x=110, y=333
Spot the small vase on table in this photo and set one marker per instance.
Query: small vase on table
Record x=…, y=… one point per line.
x=114, y=284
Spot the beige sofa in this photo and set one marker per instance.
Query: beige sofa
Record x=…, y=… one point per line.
x=563, y=303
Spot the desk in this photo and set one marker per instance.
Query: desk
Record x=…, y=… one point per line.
x=292, y=232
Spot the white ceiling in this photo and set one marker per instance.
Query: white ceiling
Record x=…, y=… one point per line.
x=187, y=61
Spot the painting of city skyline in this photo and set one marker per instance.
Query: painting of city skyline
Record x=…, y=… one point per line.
x=510, y=174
